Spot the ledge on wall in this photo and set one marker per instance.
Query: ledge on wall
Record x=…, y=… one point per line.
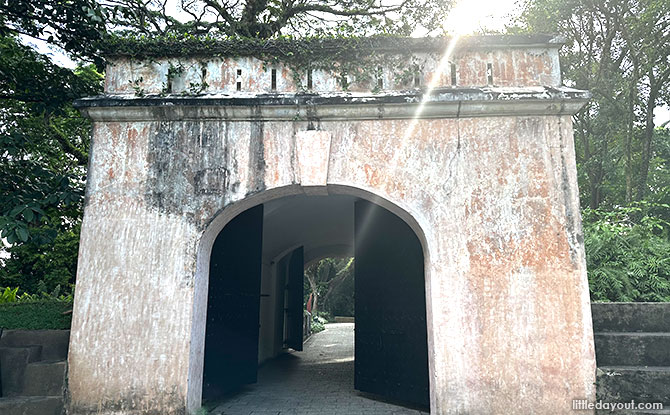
x=441, y=103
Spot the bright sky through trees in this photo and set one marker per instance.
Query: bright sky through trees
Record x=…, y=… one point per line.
x=465, y=17
x=468, y=16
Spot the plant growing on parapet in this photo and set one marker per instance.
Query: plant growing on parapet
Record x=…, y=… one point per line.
x=173, y=72
x=136, y=85
x=353, y=60
x=195, y=88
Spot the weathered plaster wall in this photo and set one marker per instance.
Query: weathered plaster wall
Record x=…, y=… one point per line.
x=510, y=67
x=496, y=199
x=486, y=177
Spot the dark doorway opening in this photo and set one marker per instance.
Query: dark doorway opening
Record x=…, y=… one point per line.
x=257, y=303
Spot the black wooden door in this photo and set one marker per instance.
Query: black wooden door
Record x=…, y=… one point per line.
x=231, y=339
x=294, y=299
x=391, y=347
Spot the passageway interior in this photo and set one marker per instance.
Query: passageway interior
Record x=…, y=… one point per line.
x=315, y=381
x=256, y=303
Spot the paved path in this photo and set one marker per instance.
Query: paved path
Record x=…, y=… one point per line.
x=318, y=380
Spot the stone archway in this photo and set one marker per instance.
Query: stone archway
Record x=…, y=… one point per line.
x=485, y=171
x=248, y=253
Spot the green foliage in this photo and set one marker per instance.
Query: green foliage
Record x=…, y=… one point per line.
x=43, y=145
x=43, y=156
x=620, y=51
x=42, y=267
x=273, y=18
x=9, y=295
x=36, y=315
x=628, y=253
x=330, y=282
x=284, y=48
x=35, y=311
x=74, y=25
x=317, y=326
x=323, y=316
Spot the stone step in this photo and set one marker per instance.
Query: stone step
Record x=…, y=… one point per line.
x=44, y=379
x=32, y=405
x=633, y=383
x=13, y=362
x=632, y=349
x=631, y=317
x=54, y=342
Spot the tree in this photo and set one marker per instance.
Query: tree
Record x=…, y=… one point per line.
x=74, y=25
x=323, y=279
x=619, y=50
x=43, y=156
x=268, y=18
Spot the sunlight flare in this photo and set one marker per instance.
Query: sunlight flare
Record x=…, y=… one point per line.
x=434, y=81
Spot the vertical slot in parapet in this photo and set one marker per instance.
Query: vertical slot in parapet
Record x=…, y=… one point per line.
x=417, y=76
x=380, y=78
x=274, y=79
x=489, y=74
x=310, y=82
x=452, y=72
x=344, y=76
x=239, y=79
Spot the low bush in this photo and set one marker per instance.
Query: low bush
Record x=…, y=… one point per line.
x=36, y=315
x=317, y=326
x=628, y=253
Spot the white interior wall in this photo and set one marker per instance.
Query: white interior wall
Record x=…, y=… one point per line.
x=323, y=225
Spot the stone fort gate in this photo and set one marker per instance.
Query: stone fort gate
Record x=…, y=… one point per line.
x=215, y=177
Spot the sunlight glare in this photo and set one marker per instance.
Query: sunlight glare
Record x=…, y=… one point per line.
x=465, y=17
x=468, y=16
x=441, y=68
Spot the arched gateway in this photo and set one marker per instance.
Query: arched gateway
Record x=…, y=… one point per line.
x=473, y=151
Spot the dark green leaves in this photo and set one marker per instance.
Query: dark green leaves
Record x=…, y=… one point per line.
x=74, y=25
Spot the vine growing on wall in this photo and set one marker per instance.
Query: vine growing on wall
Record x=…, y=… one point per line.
x=357, y=61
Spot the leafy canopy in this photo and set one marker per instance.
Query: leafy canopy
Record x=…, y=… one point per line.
x=619, y=50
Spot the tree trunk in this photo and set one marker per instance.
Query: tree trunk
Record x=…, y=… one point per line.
x=628, y=146
x=315, y=293
x=647, y=137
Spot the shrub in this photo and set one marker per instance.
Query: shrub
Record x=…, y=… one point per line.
x=628, y=253
x=34, y=311
x=323, y=316
x=9, y=295
x=317, y=326
x=36, y=315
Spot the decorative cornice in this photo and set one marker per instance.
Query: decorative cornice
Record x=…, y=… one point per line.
x=442, y=103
